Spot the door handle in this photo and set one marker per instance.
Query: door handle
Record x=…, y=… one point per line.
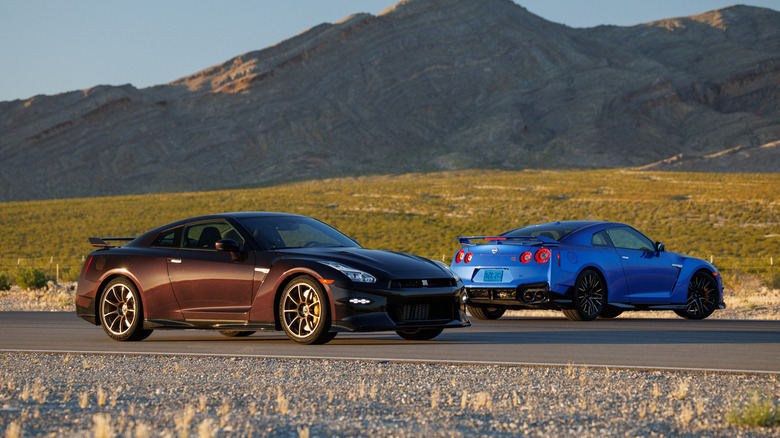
x=174, y=260
x=624, y=257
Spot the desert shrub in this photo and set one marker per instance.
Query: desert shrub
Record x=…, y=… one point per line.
x=5, y=281
x=31, y=278
x=759, y=411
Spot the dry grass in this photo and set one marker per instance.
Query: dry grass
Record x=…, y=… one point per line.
x=261, y=397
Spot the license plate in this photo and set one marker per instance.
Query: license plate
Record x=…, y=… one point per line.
x=493, y=275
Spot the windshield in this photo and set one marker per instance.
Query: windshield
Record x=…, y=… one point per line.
x=552, y=231
x=279, y=232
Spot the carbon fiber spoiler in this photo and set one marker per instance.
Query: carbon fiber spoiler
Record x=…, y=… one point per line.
x=524, y=240
x=100, y=242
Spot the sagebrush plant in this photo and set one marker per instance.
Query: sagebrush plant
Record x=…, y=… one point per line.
x=5, y=282
x=758, y=411
x=690, y=212
x=31, y=278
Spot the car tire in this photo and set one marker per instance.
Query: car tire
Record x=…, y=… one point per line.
x=589, y=297
x=486, y=312
x=419, y=334
x=304, y=312
x=610, y=312
x=702, y=296
x=120, y=311
x=236, y=333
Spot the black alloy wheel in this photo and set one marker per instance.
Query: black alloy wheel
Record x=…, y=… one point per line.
x=610, y=312
x=486, y=312
x=702, y=296
x=590, y=297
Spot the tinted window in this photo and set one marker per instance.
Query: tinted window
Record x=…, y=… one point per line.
x=168, y=239
x=629, y=238
x=277, y=232
x=600, y=239
x=204, y=235
x=553, y=231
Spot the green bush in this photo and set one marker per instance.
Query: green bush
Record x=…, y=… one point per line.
x=759, y=411
x=5, y=282
x=31, y=278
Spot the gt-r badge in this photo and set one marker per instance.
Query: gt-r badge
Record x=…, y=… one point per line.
x=494, y=250
x=425, y=283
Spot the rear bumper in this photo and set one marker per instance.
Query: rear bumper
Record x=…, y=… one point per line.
x=524, y=296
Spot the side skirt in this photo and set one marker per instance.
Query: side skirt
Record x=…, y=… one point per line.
x=162, y=324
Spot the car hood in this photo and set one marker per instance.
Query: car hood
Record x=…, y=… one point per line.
x=388, y=264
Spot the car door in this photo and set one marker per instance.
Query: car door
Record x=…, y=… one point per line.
x=649, y=273
x=210, y=284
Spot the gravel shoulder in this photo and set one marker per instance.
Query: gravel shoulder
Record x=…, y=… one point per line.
x=138, y=396
x=120, y=395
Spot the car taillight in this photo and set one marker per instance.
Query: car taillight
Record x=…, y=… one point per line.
x=526, y=257
x=459, y=256
x=86, y=267
x=542, y=255
x=468, y=257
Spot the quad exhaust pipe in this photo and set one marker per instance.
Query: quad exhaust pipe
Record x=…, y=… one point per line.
x=534, y=296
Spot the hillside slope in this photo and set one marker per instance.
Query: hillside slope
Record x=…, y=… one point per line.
x=426, y=85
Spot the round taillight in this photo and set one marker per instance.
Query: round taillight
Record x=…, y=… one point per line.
x=542, y=255
x=526, y=257
x=459, y=256
x=468, y=257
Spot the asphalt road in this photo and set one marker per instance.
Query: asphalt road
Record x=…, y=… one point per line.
x=712, y=344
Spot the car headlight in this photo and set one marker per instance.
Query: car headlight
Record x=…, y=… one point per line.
x=447, y=269
x=353, y=274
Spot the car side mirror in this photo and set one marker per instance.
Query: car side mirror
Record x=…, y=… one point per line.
x=659, y=247
x=228, y=245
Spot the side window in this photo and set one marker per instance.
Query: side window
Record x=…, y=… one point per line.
x=629, y=238
x=600, y=239
x=168, y=239
x=204, y=235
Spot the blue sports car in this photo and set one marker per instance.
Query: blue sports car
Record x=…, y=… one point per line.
x=587, y=269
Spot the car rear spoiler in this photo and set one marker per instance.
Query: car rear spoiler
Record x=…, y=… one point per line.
x=523, y=240
x=100, y=242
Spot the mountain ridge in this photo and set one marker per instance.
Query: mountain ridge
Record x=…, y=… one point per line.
x=425, y=85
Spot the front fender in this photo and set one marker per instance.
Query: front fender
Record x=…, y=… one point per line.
x=266, y=302
x=690, y=266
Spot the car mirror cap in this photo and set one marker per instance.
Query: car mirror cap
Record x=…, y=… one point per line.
x=228, y=245
x=660, y=247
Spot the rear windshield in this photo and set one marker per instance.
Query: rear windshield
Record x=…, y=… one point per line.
x=552, y=231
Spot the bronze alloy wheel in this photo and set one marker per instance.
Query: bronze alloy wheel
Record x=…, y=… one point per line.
x=589, y=297
x=702, y=297
x=303, y=312
x=120, y=311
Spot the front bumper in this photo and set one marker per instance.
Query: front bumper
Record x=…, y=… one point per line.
x=398, y=309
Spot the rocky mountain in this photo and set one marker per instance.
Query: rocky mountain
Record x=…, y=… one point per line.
x=426, y=85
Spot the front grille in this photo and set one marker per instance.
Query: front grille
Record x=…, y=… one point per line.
x=415, y=312
x=429, y=310
x=420, y=283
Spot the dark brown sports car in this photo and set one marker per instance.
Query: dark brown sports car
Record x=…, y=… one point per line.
x=242, y=272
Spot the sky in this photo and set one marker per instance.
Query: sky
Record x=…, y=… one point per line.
x=55, y=46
